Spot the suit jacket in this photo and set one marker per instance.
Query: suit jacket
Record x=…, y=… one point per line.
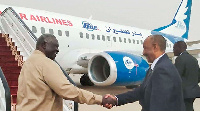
x=161, y=91
x=199, y=76
x=188, y=68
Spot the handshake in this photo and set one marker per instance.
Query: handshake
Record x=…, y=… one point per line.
x=109, y=101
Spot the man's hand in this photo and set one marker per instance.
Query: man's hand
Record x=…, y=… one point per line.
x=109, y=101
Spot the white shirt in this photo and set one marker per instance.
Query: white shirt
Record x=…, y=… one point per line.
x=181, y=53
x=155, y=61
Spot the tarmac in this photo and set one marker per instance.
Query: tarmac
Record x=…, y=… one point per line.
x=114, y=90
x=117, y=90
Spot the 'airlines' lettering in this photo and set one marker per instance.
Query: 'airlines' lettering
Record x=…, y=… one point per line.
x=46, y=19
x=23, y=16
x=33, y=18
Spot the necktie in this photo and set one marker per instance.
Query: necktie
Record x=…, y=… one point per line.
x=149, y=72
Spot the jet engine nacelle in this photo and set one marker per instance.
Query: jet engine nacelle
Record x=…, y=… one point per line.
x=117, y=68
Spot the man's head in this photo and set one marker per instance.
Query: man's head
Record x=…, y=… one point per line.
x=153, y=47
x=48, y=44
x=179, y=47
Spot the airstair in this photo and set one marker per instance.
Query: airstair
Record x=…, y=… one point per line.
x=17, y=42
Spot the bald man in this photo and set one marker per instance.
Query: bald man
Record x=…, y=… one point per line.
x=161, y=89
x=42, y=86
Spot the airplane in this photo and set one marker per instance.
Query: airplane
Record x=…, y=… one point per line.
x=105, y=53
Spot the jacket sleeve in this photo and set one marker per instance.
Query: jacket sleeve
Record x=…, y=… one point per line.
x=130, y=96
x=57, y=81
x=179, y=64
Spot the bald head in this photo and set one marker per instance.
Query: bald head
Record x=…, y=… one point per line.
x=44, y=39
x=181, y=44
x=154, y=46
x=48, y=44
x=160, y=40
x=179, y=47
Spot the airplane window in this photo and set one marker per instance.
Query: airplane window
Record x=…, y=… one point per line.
x=51, y=31
x=87, y=35
x=138, y=41
x=114, y=39
x=124, y=40
x=170, y=45
x=133, y=41
x=93, y=36
x=34, y=29
x=67, y=33
x=108, y=38
x=141, y=41
x=120, y=40
x=129, y=40
x=103, y=37
x=81, y=34
x=42, y=30
x=59, y=32
x=98, y=37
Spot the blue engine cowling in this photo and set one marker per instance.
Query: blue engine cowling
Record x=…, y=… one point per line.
x=117, y=68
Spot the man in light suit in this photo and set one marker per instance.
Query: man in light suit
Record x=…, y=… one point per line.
x=161, y=89
x=188, y=68
x=42, y=86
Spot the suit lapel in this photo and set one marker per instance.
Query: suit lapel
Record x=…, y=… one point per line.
x=147, y=79
x=148, y=76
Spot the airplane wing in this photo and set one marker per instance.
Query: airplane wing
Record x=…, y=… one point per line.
x=84, y=59
x=193, y=52
x=190, y=43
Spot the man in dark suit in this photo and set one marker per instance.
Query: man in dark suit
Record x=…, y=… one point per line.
x=161, y=89
x=188, y=68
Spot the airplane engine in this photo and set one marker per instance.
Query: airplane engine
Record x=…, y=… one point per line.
x=117, y=68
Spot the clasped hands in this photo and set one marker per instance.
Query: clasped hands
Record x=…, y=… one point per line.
x=109, y=101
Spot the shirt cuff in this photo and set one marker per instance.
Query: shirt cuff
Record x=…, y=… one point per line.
x=116, y=99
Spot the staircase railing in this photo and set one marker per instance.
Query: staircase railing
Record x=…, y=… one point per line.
x=5, y=98
x=12, y=24
x=25, y=40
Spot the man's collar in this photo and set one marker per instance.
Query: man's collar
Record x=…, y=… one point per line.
x=38, y=52
x=182, y=53
x=155, y=61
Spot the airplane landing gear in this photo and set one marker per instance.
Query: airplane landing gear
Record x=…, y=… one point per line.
x=85, y=80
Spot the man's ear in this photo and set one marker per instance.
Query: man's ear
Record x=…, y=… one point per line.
x=156, y=47
x=43, y=45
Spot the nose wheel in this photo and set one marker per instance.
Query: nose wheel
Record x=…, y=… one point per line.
x=85, y=80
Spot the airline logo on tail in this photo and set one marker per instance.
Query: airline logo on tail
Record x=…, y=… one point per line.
x=179, y=27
